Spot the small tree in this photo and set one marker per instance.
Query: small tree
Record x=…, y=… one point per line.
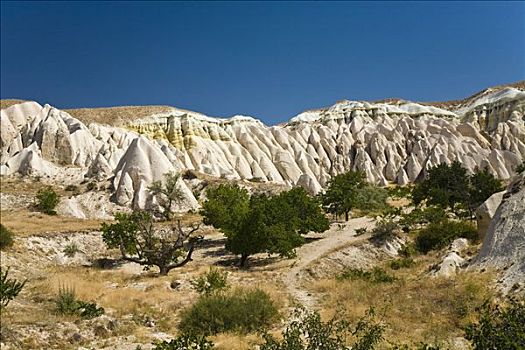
x=212, y=281
x=140, y=242
x=6, y=237
x=167, y=193
x=309, y=332
x=262, y=224
x=9, y=288
x=47, y=200
x=482, y=185
x=498, y=327
x=341, y=195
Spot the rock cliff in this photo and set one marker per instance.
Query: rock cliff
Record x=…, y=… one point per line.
x=392, y=142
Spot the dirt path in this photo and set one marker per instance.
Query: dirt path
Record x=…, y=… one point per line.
x=338, y=236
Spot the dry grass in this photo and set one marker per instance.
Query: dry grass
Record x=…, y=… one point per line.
x=415, y=308
x=26, y=223
x=115, y=115
x=8, y=103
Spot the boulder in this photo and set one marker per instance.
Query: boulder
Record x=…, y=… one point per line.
x=486, y=211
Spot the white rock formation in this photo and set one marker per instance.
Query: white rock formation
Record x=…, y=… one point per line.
x=504, y=243
x=486, y=211
x=390, y=142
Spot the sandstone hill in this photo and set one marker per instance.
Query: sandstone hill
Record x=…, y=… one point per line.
x=392, y=141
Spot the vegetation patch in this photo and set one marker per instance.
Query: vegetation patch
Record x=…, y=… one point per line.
x=6, y=237
x=242, y=310
x=376, y=275
x=438, y=235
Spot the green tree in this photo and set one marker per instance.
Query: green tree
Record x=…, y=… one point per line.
x=309, y=332
x=47, y=200
x=498, y=327
x=6, y=237
x=260, y=223
x=167, y=193
x=185, y=342
x=9, y=288
x=341, y=195
x=140, y=242
x=482, y=185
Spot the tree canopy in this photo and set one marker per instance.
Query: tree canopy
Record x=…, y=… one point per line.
x=342, y=193
x=261, y=223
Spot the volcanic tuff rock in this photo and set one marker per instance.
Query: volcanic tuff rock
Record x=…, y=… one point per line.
x=504, y=243
x=392, y=141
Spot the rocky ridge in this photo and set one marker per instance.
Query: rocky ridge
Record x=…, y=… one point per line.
x=392, y=142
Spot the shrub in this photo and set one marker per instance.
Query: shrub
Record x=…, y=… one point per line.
x=376, y=275
x=440, y=234
x=67, y=303
x=520, y=168
x=498, y=327
x=185, y=342
x=407, y=250
x=71, y=249
x=360, y=231
x=309, y=332
x=385, y=230
x=47, y=200
x=242, y=311
x=401, y=263
x=9, y=288
x=6, y=237
x=419, y=217
x=92, y=186
x=210, y=282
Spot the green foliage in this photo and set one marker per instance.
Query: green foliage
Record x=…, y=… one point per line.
x=47, y=200
x=185, y=342
x=71, y=249
x=418, y=217
x=241, y=311
x=400, y=192
x=9, y=288
x=341, y=195
x=371, y=198
x=520, y=168
x=482, y=185
x=140, y=242
x=401, y=263
x=6, y=237
x=384, y=230
x=498, y=327
x=262, y=224
x=167, y=193
x=309, y=332
x=376, y=275
x=66, y=303
x=445, y=186
x=449, y=186
x=438, y=235
x=212, y=281
x=407, y=250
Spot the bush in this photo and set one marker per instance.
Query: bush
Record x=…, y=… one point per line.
x=9, y=288
x=520, y=168
x=376, y=275
x=47, y=200
x=418, y=217
x=498, y=327
x=91, y=186
x=242, y=311
x=71, y=188
x=6, y=237
x=185, y=342
x=385, y=230
x=212, y=281
x=440, y=234
x=309, y=332
x=66, y=303
x=401, y=263
x=71, y=249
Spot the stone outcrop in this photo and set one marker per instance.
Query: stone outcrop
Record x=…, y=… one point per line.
x=486, y=211
x=504, y=243
x=391, y=142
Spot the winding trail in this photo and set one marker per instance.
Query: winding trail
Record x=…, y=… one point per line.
x=338, y=236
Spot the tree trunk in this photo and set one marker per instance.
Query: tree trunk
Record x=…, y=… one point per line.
x=164, y=270
x=346, y=215
x=244, y=258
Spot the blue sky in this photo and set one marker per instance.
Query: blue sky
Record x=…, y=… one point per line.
x=270, y=60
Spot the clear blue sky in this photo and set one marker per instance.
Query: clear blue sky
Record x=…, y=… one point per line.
x=269, y=60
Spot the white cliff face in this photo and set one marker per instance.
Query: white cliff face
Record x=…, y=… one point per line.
x=391, y=142
x=503, y=246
